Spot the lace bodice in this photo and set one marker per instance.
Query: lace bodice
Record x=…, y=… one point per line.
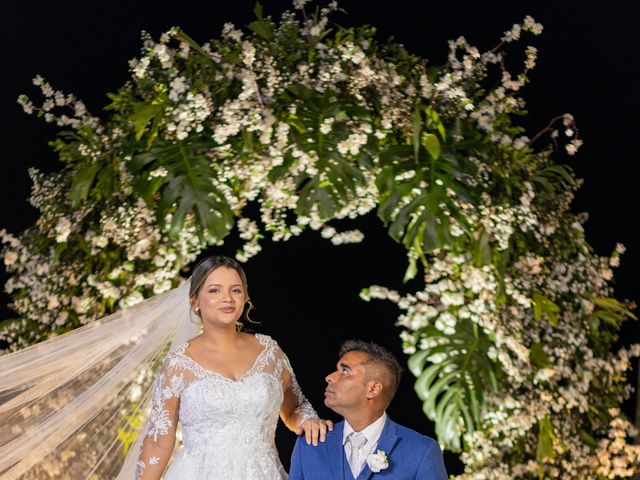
x=228, y=426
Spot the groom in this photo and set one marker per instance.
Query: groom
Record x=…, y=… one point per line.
x=367, y=443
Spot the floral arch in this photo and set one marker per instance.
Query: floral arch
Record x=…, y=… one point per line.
x=510, y=335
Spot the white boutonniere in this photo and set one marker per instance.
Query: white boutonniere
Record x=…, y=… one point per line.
x=377, y=461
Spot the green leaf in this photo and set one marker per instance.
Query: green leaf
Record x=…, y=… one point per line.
x=263, y=28
x=107, y=181
x=204, y=55
x=614, y=306
x=434, y=122
x=431, y=143
x=143, y=113
x=421, y=216
x=452, y=390
x=417, y=361
x=482, y=253
x=395, y=154
x=332, y=188
x=82, y=183
x=187, y=188
x=543, y=307
x=300, y=91
x=415, y=201
x=538, y=356
x=608, y=317
x=545, y=451
x=553, y=176
x=412, y=270
x=257, y=10
x=59, y=250
x=417, y=129
x=587, y=438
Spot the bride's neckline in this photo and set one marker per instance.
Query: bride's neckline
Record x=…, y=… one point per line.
x=262, y=339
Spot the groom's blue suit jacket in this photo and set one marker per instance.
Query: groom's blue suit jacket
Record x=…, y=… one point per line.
x=411, y=456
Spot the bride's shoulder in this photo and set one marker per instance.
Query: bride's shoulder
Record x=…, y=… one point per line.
x=178, y=349
x=270, y=344
x=265, y=340
x=175, y=355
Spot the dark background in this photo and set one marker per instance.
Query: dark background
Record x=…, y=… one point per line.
x=306, y=290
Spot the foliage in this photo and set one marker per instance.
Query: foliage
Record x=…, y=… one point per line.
x=511, y=334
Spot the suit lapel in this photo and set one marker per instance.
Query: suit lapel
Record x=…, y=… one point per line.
x=388, y=439
x=335, y=451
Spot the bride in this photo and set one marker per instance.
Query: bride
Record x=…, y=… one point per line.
x=227, y=388
x=72, y=406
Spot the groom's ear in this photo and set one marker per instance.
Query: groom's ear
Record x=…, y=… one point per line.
x=374, y=389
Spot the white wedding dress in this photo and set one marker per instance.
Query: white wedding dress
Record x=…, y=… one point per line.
x=228, y=426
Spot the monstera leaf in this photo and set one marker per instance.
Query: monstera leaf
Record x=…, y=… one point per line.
x=334, y=185
x=453, y=389
x=331, y=194
x=420, y=199
x=186, y=187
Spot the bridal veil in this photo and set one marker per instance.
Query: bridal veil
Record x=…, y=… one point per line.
x=72, y=406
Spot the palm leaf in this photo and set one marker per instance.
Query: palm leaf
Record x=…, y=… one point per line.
x=554, y=177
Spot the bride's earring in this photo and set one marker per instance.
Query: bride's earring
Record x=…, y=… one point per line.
x=197, y=310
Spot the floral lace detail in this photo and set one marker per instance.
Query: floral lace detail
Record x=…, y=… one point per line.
x=304, y=408
x=165, y=389
x=159, y=423
x=140, y=466
x=228, y=425
x=258, y=363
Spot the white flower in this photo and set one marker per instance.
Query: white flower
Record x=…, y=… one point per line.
x=140, y=67
x=10, y=258
x=229, y=31
x=53, y=302
x=162, y=287
x=520, y=143
x=532, y=26
x=133, y=299
x=178, y=86
x=377, y=461
x=352, y=236
x=135, y=393
x=159, y=172
x=26, y=104
x=63, y=229
x=325, y=128
x=99, y=241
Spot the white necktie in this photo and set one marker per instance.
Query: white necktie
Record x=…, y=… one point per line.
x=356, y=440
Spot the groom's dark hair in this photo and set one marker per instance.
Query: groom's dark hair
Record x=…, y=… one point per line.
x=378, y=356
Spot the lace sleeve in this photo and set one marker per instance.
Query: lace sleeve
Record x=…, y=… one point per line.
x=163, y=419
x=295, y=407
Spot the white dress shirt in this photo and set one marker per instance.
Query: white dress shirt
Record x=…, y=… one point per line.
x=372, y=433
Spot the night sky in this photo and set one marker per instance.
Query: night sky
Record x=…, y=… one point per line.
x=306, y=290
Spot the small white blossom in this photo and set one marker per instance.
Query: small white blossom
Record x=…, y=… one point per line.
x=63, y=230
